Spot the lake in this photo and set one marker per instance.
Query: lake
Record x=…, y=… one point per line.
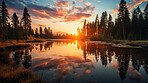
x=72, y=61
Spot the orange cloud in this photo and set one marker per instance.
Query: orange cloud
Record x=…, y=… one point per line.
x=10, y=11
x=88, y=4
x=81, y=0
x=115, y=11
x=135, y=3
x=130, y=6
x=61, y=4
x=41, y=25
x=40, y=12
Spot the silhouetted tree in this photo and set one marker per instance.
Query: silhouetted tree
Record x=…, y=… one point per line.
x=145, y=32
x=135, y=30
x=41, y=32
x=123, y=19
x=4, y=19
x=26, y=22
x=36, y=33
x=17, y=30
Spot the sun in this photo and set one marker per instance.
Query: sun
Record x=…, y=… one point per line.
x=75, y=33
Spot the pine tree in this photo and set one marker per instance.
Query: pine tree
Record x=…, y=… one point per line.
x=97, y=23
x=83, y=31
x=41, y=32
x=46, y=32
x=135, y=30
x=123, y=19
x=30, y=31
x=141, y=25
x=26, y=22
x=110, y=26
x=4, y=19
x=105, y=20
x=36, y=33
x=146, y=22
x=17, y=30
x=102, y=20
x=110, y=22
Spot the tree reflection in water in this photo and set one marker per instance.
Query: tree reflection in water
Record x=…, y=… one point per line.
x=105, y=54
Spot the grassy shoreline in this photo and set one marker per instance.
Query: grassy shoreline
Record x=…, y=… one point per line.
x=12, y=45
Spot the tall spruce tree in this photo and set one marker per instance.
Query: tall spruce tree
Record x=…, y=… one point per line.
x=36, y=33
x=146, y=22
x=141, y=25
x=4, y=19
x=26, y=22
x=97, y=23
x=110, y=22
x=123, y=19
x=83, y=31
x=136, y=27
x=110, y=26
x=41, y=32
x=17, y=29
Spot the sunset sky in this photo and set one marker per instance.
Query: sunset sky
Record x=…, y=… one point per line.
x=67, y=15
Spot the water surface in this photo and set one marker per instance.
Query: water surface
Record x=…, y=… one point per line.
x=71, y=61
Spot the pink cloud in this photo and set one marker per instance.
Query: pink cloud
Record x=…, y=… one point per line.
x=130, y=6
x=135, y=3
x=61, y=3
x=81, y=0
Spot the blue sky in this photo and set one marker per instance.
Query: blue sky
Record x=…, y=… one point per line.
x=67, y=15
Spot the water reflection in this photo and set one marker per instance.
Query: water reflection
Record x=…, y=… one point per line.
x=82, y=61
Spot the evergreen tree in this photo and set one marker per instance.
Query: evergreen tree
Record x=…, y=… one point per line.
x=41, y=32
x=36, y=33
x=146, y=22
x=83, y=31
x=4, y=19
x=110, y=26
x=104, y=21
x=110, y=22
x=135, y=30
x=97, y=23
x=123, y=19
x=10, y=32
x=45, y=32
x=30, y=31
x=141, y=25
x=15, y=22
x=26, y=22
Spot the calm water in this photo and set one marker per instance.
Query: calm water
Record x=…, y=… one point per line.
x=70, y=61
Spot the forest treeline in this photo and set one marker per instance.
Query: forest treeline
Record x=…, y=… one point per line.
x=18, y=30
x=133, y=27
